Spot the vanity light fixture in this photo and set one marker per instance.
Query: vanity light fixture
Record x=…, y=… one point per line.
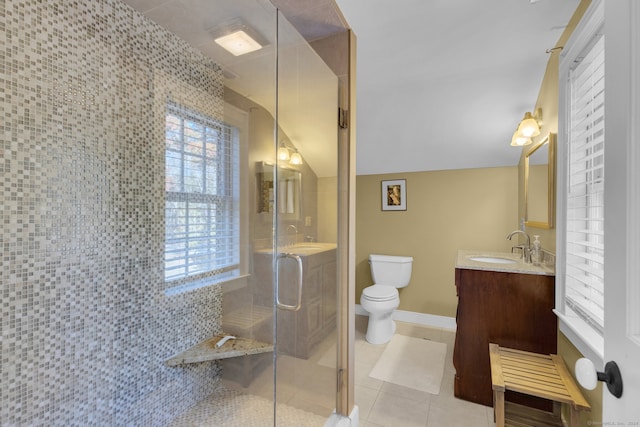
x=296, y=158
x=519, y=140
x=528, y=128
x=283, y=151
x=285, y=154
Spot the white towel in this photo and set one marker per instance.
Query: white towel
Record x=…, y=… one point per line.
x=290, y=195
x=282, y=197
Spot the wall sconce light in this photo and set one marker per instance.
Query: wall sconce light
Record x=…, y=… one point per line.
x=283, y=151
x=296, y=158
x=519, y=140
x=285, y=154
x=528, y=128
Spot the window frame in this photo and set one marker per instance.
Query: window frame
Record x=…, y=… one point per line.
x=582, y=335
x=229, y=180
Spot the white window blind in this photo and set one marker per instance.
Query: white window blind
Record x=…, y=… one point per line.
x=202, y=225
x=584, y=274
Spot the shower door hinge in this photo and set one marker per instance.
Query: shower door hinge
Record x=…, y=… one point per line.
x=343, y=118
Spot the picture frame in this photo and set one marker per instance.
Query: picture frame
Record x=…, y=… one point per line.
x=394, y=195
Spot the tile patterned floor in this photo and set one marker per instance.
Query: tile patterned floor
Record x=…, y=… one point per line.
x=385, y=404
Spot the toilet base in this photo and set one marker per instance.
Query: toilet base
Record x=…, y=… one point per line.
x=380, y=328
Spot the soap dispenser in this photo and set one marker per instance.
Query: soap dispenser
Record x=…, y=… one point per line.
x=536, y=251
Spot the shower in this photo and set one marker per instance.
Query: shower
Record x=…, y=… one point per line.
x=150, y=272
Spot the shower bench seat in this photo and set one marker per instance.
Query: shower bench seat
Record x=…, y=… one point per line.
x=207, y=351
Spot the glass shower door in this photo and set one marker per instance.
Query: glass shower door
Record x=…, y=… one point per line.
x=305, y=208
x=289, y=98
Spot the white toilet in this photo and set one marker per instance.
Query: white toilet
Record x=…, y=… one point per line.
x=380, y=299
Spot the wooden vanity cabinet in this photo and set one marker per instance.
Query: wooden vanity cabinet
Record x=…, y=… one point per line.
x=299, y=332
x=513, y=310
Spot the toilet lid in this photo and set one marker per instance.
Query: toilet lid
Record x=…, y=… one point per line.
x=380, y=292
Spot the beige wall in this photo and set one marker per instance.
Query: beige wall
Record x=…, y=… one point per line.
x=327, y=210
x=570, y=354
x=446, y=211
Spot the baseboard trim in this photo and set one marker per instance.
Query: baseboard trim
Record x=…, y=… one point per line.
x=430, y=320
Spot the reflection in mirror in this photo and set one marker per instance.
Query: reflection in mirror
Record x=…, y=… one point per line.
x=288, y=188
x=539, y=185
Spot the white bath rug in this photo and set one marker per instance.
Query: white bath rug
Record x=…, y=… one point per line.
x=412, y=362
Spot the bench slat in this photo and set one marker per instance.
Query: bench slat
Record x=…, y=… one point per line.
x=579, y=401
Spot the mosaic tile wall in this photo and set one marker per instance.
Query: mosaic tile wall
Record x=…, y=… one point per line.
x=85, y=323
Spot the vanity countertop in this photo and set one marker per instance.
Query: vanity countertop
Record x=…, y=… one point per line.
x=302, y=249
x=465, y=261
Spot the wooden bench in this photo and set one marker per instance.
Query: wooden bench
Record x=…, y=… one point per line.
x=540, y=375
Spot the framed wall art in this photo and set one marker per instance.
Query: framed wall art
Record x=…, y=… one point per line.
x=394, y=195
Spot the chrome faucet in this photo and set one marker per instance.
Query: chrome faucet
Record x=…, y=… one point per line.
x=295, y=236
x=526, y=248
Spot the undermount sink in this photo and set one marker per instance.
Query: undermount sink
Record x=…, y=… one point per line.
x=304, y=249
x=308, y=246
x=492, y=260
x=489, y=260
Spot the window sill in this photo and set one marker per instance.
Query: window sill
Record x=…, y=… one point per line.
x=582, y=336
x=227, y=282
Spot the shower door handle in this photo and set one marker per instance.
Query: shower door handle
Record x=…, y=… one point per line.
x=298, y=260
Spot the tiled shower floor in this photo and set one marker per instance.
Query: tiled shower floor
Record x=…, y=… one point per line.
x=381, y=404
x=232, y=408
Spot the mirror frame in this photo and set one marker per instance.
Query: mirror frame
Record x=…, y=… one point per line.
x=551, y=190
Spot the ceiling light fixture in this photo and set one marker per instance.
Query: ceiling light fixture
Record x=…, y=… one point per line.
x=238, y=43
x=237, y=38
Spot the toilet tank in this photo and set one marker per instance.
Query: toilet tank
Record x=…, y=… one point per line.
x=390, y=270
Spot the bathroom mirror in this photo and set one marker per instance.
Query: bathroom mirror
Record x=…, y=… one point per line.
x=288, y=188
x=539, y=183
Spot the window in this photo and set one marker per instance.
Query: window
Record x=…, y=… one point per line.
x=584, y=274
x=202, y=224
x=580, y=228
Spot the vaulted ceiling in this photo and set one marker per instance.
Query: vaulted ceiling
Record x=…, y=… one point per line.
x=441, y=84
